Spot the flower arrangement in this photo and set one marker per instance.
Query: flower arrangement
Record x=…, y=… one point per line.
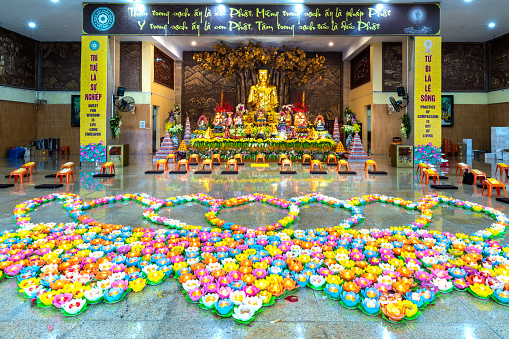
x=241, y=109
x=286, y=109
x=300, y=107
x=350, y=116
x=115, y=124
x=271, y=261
x=224, y=107
x=171, y=125
x=406, y=127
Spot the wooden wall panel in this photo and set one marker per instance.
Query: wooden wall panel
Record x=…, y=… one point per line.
x=470, y=122
x=384, y=127
x=498, y=115
x=18, y=125
x=139, y=140
x=54, y=121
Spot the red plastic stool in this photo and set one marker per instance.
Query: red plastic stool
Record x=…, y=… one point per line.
x=491, y=183
x=108, y=165
x=30, y=166
x=66, y=172
x=18, y=174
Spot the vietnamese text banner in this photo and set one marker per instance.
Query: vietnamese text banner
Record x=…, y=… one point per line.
x=428, y=91
x=261, y=20
x=94, y=72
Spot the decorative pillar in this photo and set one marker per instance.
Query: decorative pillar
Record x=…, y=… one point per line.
x=94, y=98
x=428, y=99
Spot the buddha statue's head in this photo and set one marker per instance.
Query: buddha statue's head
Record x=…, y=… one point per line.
x=263, y=75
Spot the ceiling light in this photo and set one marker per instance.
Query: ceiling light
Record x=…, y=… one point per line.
x=468, y=0
x=140, y=7
x=193, y=43
x=298, y=8
x=491, y=25
x=331, y=44
x=221, y=8
x=54, y=0
x=31, y=24
x=379, y=7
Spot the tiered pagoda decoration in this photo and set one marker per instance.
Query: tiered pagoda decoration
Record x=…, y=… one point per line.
x=165, y=149
x=336, y=136
x=356, y=151
x=187, y=133
x=340, y=148
x=182, y=147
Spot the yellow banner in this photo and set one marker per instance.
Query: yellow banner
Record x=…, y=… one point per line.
x=428, y=97
x=94, y=73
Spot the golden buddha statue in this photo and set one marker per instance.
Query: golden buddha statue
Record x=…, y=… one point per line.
x=263, y=95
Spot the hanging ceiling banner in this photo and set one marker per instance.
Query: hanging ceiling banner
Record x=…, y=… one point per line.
x=261, y=20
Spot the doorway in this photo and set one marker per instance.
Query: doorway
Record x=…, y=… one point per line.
x=154, y=131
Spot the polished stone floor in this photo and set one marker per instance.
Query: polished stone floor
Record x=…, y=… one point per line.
x=162, y=311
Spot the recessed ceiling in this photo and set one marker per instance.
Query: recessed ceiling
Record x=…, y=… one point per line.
x=61, y=21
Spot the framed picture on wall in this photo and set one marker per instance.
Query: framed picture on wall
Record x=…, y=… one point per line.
x=447, y=110
x=75, y=110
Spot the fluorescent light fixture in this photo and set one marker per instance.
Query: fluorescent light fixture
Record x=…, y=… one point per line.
x=298, y=8
x=491, y=25
x=221, y=8
x=379, y=6
x=193, y=43
x=31, y=24
x=331, y=44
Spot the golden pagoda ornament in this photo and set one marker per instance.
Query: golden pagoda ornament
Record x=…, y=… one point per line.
x=249, y=129
x=273, y=130
x=182, y=147
x=313, y=134
x=340, y=148
x=208, y=134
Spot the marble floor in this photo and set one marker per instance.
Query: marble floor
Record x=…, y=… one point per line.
x=162, y=311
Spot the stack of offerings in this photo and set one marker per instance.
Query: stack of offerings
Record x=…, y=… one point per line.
x=356, y=151
x=499, y=141
x=165, y=149
x=468, y=142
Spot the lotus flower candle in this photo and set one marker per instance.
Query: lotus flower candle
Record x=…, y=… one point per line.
x=61, y=299
x=350, y=299
x=94, y=294
x=244, y=313
x=333, y=290
x=113, y=294
x=224, y=306
x=481, y=290
x=371, y=306
x=74, y=306
x=394, y=312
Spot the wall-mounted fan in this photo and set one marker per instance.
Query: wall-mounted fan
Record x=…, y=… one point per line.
x=397, y=104
x=125, y=104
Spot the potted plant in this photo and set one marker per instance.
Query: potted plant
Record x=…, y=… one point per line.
x=172, y=127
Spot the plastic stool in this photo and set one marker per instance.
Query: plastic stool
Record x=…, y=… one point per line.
x=503, y=167
x=194, y=157
x=342, y=163
x=232, y=162
x=478, y=174
x=282, y=157
x=286, y=162
x=30, y=166
x=462, y=167
x=428, y=173
x=217, y=157
x=421, y=167
x=161, y=162
x=316, y=163
x=18, y=174
x=207, y=162
x=369, y=163
x=306, y=157
x=493, y=183
x=171, y=156
x=183, y=162
x=66, y=172
x=108, y=165
x=69, y=165
x=331, y=157
x=261, y=157
x=238, y=156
